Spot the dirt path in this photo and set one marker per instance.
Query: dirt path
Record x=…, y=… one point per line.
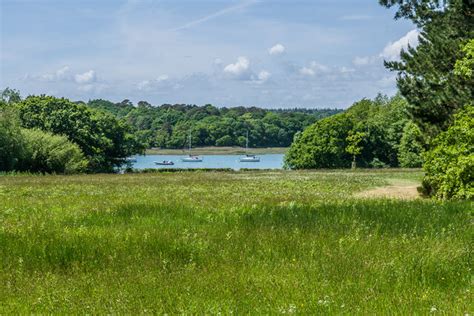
x=398, y=189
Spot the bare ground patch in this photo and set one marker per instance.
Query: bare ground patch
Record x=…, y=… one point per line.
x=398, y=189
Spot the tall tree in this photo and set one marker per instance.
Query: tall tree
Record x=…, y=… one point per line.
x=425, y=73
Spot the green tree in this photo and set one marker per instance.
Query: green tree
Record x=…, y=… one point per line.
x=225, y=140
x=354, y=146
x=10, y=96
x=411, y=146
x=425, y=73
x=464, y=67
x=449, y=165
x=103, y=139
x=322, y=145
x=370, y=131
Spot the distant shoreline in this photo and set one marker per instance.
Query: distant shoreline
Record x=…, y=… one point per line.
x=218, y=151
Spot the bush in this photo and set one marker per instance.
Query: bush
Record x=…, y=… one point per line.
x=322, y=145
x=449, y=165
x=411, y=146
x=45, y=152
x=11, y=141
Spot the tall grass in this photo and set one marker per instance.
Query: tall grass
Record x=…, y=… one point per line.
x=250, y=242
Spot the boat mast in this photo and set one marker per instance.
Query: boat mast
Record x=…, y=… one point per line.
x=247, y=142
x=190, y=142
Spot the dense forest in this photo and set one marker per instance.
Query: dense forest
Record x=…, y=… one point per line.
x=168, y=126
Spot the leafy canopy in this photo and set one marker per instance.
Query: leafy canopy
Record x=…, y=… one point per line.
x=104, y=140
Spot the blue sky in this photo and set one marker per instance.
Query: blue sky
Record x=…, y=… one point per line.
x=268, y=53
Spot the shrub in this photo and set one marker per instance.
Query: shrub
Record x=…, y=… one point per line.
x=322, y=145
x=45, y=152
x=11, y=140
x=411, y=146
x=449, y=165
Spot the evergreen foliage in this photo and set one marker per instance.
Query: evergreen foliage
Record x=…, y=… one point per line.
x=426, y=77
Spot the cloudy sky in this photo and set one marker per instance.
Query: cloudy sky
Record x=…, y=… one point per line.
x=268, y=53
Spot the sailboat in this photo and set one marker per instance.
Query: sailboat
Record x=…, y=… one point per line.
x=248, y=157
x=191, y=158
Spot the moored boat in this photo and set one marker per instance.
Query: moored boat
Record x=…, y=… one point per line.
x=191, y=158
x=249, y=157
x=164, y=163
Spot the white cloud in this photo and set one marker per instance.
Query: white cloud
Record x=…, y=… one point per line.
x=240, y=69
x=86, y=77
x=361, y=61
x=62, y=73
x=307, y=71
x=159, y=82
x=143, y=85
x=387, y=81
x=162, y=78
x=313, y=68
x=346, y=70
x=261, y=77
x=277, y=49
x=392, y=50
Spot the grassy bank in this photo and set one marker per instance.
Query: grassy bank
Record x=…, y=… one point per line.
x=241, y=242
x=218, y=151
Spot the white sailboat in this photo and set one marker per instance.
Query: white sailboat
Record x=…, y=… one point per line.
x=249, y=157
x=191, y=158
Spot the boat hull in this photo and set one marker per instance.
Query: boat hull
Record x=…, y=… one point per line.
x=249, y=159
x=191, y=160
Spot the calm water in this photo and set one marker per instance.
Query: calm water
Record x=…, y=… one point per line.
x=273, y=161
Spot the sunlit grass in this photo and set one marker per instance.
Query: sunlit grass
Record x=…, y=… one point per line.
x=241, y=242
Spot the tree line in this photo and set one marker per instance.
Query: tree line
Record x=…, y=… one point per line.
x=49, y=134
x=168, y=126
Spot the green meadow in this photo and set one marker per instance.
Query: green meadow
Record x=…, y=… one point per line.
x=285, y=242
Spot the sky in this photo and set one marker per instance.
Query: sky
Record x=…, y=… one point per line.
x=266, y=53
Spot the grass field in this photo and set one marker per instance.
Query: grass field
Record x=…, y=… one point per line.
x=218, y=151
x=235, y=242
